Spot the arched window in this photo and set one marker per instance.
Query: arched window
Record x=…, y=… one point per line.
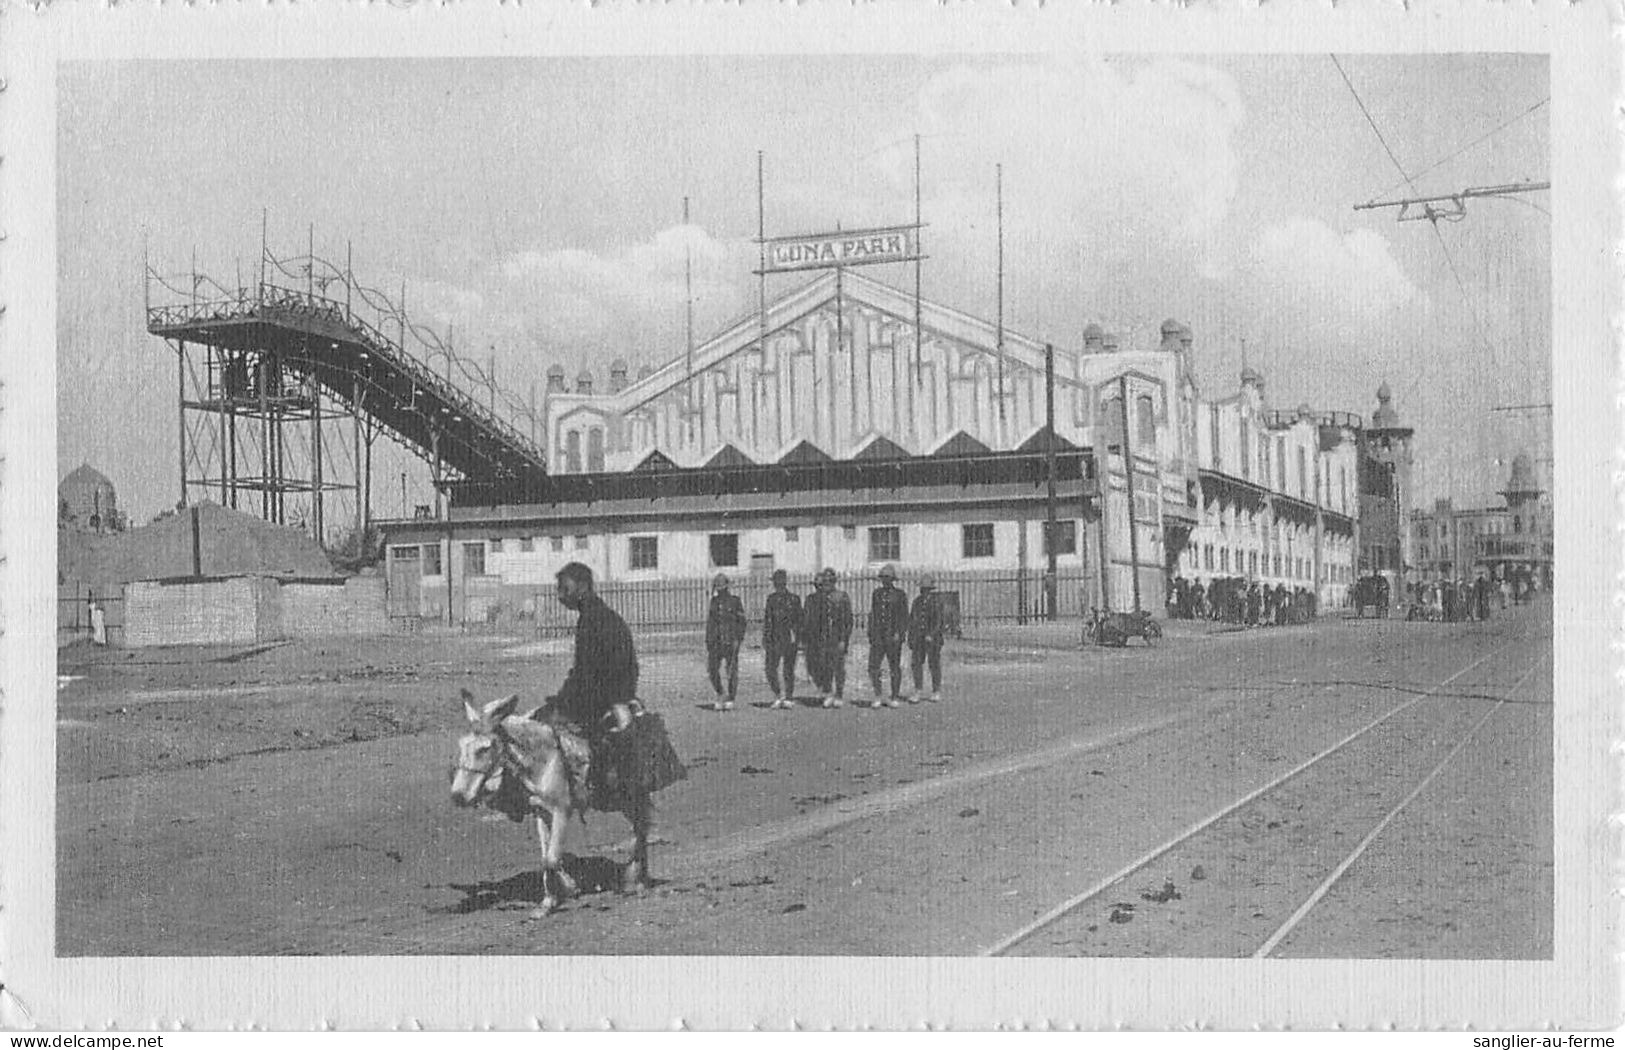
x=1245, y=454
x=1303, y=474
x=1111, y=419
x=572, y=452
x=595, y=449
x=1145, y=412
x=1517, y=523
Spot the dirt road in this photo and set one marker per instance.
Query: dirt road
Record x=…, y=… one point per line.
x=293, y=800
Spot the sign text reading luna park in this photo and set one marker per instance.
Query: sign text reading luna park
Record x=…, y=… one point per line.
x=824, y=251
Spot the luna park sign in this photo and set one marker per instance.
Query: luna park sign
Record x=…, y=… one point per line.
x=828, y=251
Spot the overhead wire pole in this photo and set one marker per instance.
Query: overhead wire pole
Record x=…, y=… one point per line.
x=919, y=326
x=998, y=172
x=761, y=268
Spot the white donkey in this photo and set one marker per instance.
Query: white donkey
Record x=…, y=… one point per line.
x=502, y=744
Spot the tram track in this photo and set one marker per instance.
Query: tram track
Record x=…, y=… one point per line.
x=1411, y=726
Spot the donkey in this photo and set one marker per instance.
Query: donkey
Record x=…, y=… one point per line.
x=538, y=755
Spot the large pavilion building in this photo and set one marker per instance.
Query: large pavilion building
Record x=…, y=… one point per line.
x=823, y=433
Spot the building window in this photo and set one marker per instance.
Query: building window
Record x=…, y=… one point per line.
x=643, y=552
x=1303, y=474
x=572, y=452
x=1224, y=559
x=724, y=550
x=1343, y=488
x=404, y=553
x=1146, y=411
x=1423, y=551
x=792, y=534
x=474, y=559
x=1066, y=538
x=1213, y=436
x=1245, y=458
x=581, y=541
x=975, y=541
x=1252, y=563
x=1207, y=556
x=886, y=543
x=556, y=542
x=1280, y=463
x=1517, y=523
x=849, y=532
x=496, y=546
x=526, y=545
x=431, y=559
x=595, y=449
x=1275, y=565
x=1421, y=532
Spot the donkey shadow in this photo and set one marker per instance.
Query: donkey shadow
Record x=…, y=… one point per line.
x=592, y=875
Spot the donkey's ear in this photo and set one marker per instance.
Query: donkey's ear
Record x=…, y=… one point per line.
x=469, y=709
x=497, y=710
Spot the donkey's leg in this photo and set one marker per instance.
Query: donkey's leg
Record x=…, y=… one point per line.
x=544, y=837
x=553, y=822
x=641, y=813
x=553, y=852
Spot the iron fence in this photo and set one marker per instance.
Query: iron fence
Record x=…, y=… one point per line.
x=971, y=598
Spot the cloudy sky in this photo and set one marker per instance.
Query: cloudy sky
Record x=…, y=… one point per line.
x=535, y=206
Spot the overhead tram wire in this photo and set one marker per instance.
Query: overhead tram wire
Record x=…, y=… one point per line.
x=1478, y=325
x=1453, y=154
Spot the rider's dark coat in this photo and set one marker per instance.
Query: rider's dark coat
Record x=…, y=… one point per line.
x=605, y=672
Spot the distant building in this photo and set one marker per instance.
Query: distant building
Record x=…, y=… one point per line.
x=87, y=502
x=1278, y=494
x=1506, y=542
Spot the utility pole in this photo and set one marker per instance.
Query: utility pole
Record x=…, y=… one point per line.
x=1051, y=611
x=1128, y=475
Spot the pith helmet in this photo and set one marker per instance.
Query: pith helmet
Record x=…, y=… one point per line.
x=888, y=573
x=927, y=583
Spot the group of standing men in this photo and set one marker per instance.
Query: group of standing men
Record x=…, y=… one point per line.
x=821, y=628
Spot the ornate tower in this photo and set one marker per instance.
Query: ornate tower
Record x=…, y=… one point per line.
x=1385, y=490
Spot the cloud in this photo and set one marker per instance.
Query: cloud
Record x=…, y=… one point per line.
x=1304, y=263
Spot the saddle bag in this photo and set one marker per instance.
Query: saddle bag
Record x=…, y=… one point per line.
x=643, y=755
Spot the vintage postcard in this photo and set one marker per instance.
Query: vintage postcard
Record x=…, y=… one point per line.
x=834, y=516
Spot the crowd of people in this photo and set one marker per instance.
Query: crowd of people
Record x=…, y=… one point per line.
x=819, y=628
x=1456, y=600
x=1233, y=599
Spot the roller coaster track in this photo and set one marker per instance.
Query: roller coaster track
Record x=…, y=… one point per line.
x=356, y=363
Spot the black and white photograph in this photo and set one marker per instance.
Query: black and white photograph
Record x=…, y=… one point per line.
x=765, y=510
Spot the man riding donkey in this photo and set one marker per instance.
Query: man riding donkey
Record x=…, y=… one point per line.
x=590, y=746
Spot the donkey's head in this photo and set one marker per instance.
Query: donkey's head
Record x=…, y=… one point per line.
x=479, y=752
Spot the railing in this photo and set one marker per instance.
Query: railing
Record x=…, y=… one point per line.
x=978, y=597
x=73, y=616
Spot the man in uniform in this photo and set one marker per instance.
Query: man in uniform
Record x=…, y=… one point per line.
x=925, y=630
x=781, y=634
x=826, y=630
x=596, y=697
x=888, y=627
x=724, y=631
